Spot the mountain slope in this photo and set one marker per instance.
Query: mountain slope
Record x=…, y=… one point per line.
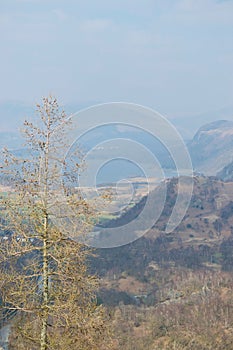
x=226, y=174
x=211, y=149
x=207, y=224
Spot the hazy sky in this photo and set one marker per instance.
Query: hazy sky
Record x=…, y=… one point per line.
x=172, y=55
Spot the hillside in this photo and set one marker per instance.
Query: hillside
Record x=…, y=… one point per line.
x=202, y=239
x=226, y=174
x=212, y=146
x=175, y=290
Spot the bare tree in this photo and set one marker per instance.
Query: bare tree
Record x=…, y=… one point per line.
x=45, y=285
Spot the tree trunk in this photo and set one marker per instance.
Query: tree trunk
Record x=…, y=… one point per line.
x=45, y=293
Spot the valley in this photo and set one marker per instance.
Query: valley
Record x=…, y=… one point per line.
x=170, y=290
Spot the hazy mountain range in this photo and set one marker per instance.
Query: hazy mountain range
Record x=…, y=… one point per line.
x=210, y=147
x=13, y=113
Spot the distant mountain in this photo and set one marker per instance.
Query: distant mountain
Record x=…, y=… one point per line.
x=189, y=125
x=226, y=174
x=12, y=115
x=11, y=140
x=211, y=149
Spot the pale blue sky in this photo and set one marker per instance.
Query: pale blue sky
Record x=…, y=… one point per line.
x=173, y=55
